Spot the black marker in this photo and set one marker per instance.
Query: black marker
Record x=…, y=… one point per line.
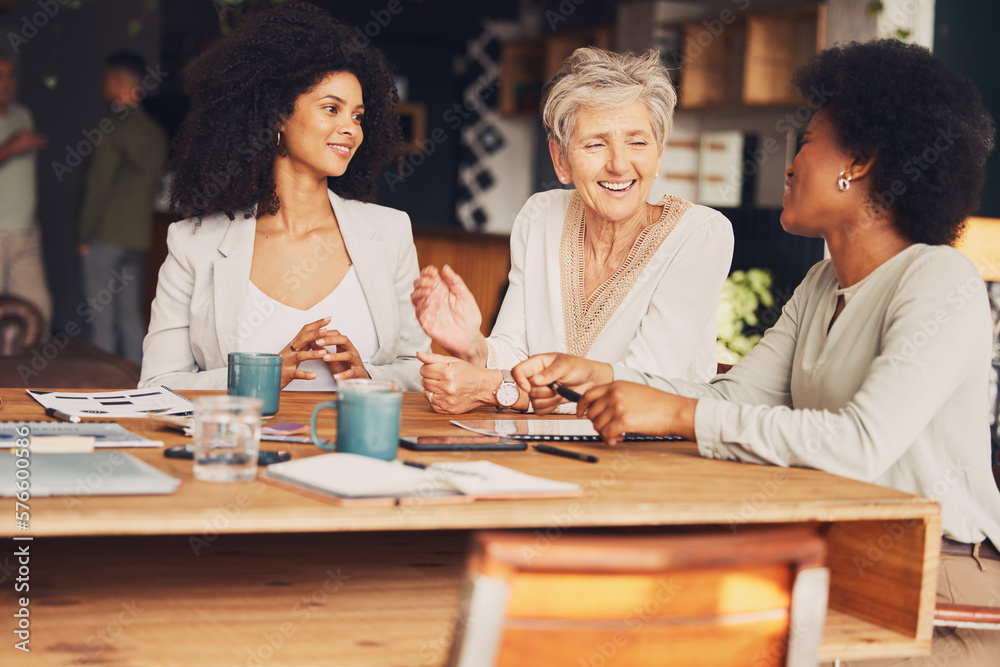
x=62, y=416
x=566, y=392
x=555, y=451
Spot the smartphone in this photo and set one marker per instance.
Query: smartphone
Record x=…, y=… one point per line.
x=452, y=443
x=284, y=428
x=264, y=458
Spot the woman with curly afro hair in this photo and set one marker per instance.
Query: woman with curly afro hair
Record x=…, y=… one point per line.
x=879, y=365
x=291, y=122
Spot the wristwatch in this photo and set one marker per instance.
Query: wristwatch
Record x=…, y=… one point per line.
x=507, y=393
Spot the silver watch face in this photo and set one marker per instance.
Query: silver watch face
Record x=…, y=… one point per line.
x=507, y=394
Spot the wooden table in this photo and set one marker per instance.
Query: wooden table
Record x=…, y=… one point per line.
x=250, y=574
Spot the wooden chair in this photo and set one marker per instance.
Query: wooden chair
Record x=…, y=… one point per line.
x=756, y=598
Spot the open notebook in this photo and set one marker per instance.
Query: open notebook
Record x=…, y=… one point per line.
x=347, y=479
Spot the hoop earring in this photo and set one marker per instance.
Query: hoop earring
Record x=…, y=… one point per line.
x=844, y=182
x=278, y=142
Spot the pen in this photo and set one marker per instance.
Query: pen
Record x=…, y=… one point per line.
x=565, y=392
x=62, y=416
x=432, y=467
x=555, y=451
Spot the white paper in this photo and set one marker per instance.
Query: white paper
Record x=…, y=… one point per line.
x=134, y=403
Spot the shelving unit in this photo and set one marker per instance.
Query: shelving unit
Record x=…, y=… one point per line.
x=749, y=62
x=525, y=65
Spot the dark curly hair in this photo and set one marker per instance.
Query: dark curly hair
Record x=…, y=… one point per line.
x=244, y=86
x=924, y=124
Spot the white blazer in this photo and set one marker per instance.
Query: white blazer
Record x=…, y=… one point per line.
x=202, y=288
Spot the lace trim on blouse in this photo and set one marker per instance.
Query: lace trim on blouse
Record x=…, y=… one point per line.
x=585, y=318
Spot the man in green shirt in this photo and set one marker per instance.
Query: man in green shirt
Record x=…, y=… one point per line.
x=116, y=216
x=22, y=272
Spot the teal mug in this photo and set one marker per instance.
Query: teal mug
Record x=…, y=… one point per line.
x=257, y=375
x=367, y=418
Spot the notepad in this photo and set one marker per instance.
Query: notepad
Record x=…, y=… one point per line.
x=107, y=473
x=565, y=430
x=354, y=479
x=105, y=434
x=131, y=404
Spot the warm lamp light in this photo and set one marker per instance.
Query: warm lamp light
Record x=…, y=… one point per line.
x=981, y=244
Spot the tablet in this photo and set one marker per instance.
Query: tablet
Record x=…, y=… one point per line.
x=553, y=429
x=452, y=443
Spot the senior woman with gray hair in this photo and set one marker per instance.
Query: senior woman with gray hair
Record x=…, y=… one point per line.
x=595, y=271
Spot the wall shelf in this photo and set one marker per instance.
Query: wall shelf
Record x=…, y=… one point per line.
x=749, y=62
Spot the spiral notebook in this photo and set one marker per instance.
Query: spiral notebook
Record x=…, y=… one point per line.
x=565, y=430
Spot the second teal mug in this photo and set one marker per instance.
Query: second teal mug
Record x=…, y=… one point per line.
x=367, y=418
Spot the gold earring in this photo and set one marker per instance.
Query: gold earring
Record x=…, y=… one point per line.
x=278, y=142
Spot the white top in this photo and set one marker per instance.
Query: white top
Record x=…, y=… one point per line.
x=17, y=176
x=666, y=324
x=269, y=325
x=896, y=394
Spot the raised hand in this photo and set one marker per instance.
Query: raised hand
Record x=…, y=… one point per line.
x=449, y=314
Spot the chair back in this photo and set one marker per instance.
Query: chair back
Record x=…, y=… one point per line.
x=757, y=598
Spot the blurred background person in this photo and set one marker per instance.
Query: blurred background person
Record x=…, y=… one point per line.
x=116, y=213
x=22, y=270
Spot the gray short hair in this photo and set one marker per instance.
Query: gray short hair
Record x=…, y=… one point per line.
x=597, y=78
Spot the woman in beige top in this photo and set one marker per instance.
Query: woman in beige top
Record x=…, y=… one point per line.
x=878, y=368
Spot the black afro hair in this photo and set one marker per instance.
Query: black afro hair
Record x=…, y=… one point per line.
x=924, y=124
x=245, y=85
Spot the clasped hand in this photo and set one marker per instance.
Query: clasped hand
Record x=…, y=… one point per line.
x=310, y=343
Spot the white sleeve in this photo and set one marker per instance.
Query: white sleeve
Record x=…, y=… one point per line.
x=905, y=387
x=763, y=377
x=508, y=342
x=684, y=303
x=405, y=368
x=166, y=352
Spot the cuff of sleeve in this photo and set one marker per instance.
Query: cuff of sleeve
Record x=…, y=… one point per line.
x=491, y=355
x=708, y=417
x=628, y=374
